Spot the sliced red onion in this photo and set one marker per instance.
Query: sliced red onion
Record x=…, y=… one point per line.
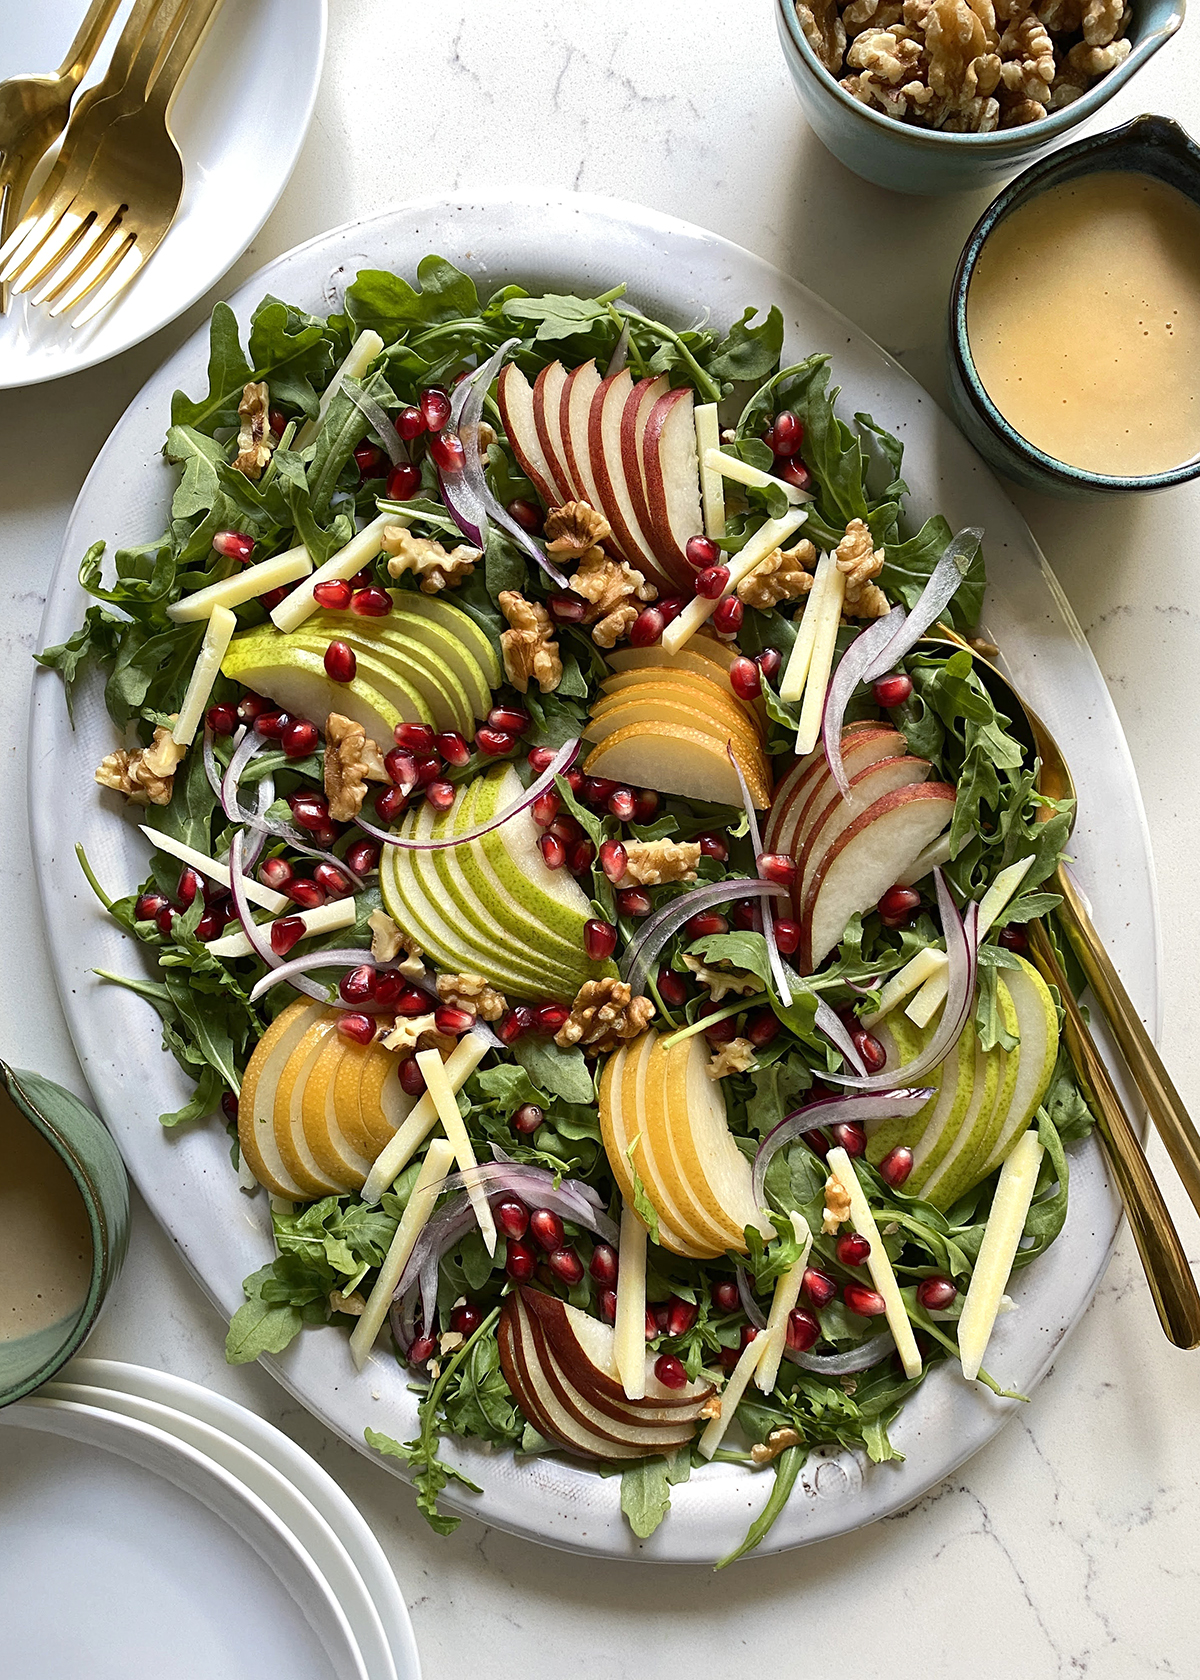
x=560, y=762
x=620, y=353
x=932, y=601
x=263, y=825
x=962, y=938
x=347, y=957
x=249, y=747
x=260, y=941
x=768, y=920
x=384, y=431
x=640, y=956
x=830, y=1111
x=482, y=1031
x=859, y=1358
x=211, y=768
x=536, y=1187
x=463, y=507
x=852, y=668
x=835, y=1029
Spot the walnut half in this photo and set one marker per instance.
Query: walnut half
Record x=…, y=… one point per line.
x=605, y=1012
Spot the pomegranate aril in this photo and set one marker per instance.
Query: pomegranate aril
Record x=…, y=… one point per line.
x=712, y=582
x=441, y=794
x=869, y=1048
x=851, y=1249
x=369, y=459
x=632, y=901
x=341, y=662
x=273, y=597
x=867, y=1303
x=448, y=1018
x=229, y=1106
x=509, y=718
x=412, y=1080
x=728, y=616
x=896, y=1166
x=606, y=1300
x=335, y=883
x=725, y=1296
x=222, y=720
x=787, y=937
x=647, y=627
x=599, y=939
x=234, y=545
x=149, y=905
x=603, y=1264
x=363, y=856
x=361, y=580
x=777, y=868
x=546, y=1229
x=614, y=859
x=512, y=1217
x=300, y=738
x=645, y=805
x=390, y=987
x=747, y=916
x=581, y=856
x=722, y=1032
x=550, y=1018
x=1013, y=939
x=494, y=743
x=728, y=1358
x=414, y=737
x=527, y=516
x=284, y=934
x=704, y=924
x=787, y=433
x=671, y=607
x=681, y=1315
x=652, y=1326
x=935, y=1294
x=554, y=853
x=278, y=421
x=892, y=691
x=566, y=1266
x=390, y=803
x=622, y=804
x=513, y=1023
x=520, y=1262
x=762, y=1027
x=566, y=609
x=714, y=846
x=271, y=725
x=749, y=1334
x=402, y=482
x=371, y=603
x=465, y=1320
x=794, y=472
x=209, y=925
x=275, y=872
x=541, y=758
x=420, y=1351
x=802, y=1330
x=818, y=1287
x=164, y=920
x=898, y=906
x=566, y=829
x=310, y=811
x=358, y=984
x=545, y=808
x=251, y=706
x=527, y=1119
x=745, y=679
x=409, y=424
x=702, y=552
x=818, y=1143
x=768, y=662
x=849, y=1135
x=189, y=885
x=428, y=770
x=412, y=1001
x=453, y=748
x=307, y=894
x=447, y=452
x=669, y=1371
x=434, y=405
x=359, y=1029
x=672, y=988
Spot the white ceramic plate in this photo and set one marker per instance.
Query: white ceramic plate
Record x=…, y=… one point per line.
x=680, y=272
x=180, y=1406
x=167, y=1562
x=240, y=121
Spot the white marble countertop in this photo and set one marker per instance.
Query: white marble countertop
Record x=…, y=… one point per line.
x=1068, y=1547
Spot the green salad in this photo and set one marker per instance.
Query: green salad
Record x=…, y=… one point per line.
x=588, y=879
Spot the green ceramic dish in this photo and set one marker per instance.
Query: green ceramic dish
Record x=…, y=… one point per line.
x=1149, y=146
x=94, y=1163
x=922, y=160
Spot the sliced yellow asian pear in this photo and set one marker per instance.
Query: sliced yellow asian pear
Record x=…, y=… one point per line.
x=294, y=1148
x=675, y=759
x=256, y=1105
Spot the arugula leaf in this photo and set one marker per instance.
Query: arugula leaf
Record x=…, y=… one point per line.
x=787, y=1466
x=94, y=643
x=564, y=1073
x=388, y=305
x=777, y=1088
x=642, y=1205
x=285, y=353
x=560, y=316
x=646, y=1489
x=748, y=352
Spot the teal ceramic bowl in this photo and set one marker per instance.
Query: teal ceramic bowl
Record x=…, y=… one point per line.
x=1148, y=146
x=926, y=161
x=98, y=1174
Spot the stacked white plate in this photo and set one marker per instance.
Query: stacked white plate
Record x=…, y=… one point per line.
x=150, y=1526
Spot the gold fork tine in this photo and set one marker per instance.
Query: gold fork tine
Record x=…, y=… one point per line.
x=60, y=239
x=150, y=25
x=71, y=259
x=119, y=241
x=122, y=276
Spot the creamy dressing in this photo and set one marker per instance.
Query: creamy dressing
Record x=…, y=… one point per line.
x=45, y=1241
x=1083, y=317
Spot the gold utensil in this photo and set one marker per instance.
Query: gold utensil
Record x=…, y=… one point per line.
x=33, y=113
x=1166, y=1265
x=1171, y=1282
x=133, y=186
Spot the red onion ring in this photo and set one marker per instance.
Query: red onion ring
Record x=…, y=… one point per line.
x=385, y=432
x=351, y=956
x=560, y=762
x=620, y=353
x=859, y=1358
x=831, y=1111
x=962, y=938
x=852, y=668
x=260, y=944
x=836, y=1030
x=211, y=768
x=773, y=957
x=642, y=951
x=463, y=508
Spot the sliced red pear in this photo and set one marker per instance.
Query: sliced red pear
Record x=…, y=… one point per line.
x=624, y=1427
x=672, y=472
x=584, y=1348
x=515, y=396
x=826, y=824
x=547, y=415
x=865, y=861
x=608, y=468
x=638, y=406
x=574, y=407
x=810, y=793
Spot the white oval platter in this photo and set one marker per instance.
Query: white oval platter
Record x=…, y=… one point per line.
x=680, y=273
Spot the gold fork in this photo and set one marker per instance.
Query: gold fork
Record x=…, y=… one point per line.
x=33, y=113
x=133, y=186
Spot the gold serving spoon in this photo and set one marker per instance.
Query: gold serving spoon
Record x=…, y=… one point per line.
x=1170, y=1277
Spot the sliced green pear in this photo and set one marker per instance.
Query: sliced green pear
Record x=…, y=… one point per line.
x=1037, y=1024
x=956, y=1099
x=297, y=682
x=901, y=1042
x=949, y=1181
x=334, y=1146
x=407, y=903
x=459, y=624
x=409, y=687
x=446, y=646
x=410, y=661
x=939, y=1166
x=952, y=1083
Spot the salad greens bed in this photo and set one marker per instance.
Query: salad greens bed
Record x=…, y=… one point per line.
x=328, y=1249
